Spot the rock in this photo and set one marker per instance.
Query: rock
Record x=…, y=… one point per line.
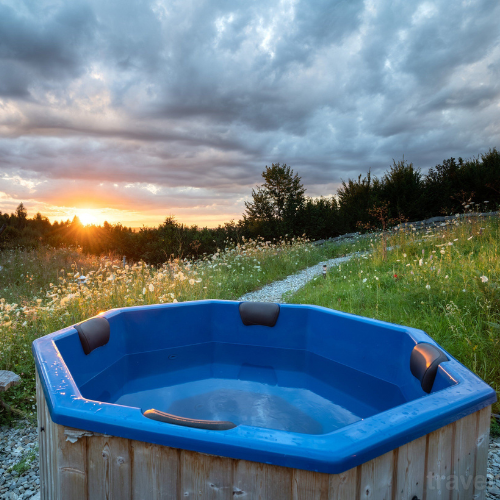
x=494, y=491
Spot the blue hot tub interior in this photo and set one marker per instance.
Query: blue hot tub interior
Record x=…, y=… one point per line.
x=314, y=372
x=268, y=387
x=318, y=390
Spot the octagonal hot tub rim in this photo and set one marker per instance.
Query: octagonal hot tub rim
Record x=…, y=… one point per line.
x=333, y=453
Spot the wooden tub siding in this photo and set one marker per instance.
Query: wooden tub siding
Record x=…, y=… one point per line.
x=96, y=467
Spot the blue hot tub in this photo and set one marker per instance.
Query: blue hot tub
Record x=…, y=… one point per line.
x=297, y=386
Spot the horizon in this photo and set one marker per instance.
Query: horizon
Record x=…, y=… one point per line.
x=158, y=108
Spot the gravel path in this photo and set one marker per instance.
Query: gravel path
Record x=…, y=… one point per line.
x=274, y=291
x=17, y=443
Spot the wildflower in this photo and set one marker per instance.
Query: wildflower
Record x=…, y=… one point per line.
x=364, y=281
x=395, y=276
x=428, y=286
x=144, y=291
x=420, y=262
x=174, y=301
x=442, y=251
x=484, y=279
x=404, y=255
x=191, y=281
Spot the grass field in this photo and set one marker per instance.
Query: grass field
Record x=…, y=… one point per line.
x=444, y=281
x=45, y=290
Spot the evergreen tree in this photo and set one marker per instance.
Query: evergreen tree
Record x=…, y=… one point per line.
x=355, y=198
x=22, y=215
x=402, y=186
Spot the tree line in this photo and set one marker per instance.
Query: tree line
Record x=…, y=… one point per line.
x=279, y=208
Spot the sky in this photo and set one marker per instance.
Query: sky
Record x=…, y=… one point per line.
x=132, y=111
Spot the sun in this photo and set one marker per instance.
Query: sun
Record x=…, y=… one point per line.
x=86, y=218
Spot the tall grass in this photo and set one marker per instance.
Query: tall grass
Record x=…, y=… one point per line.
x=445, y=281
x=45, y=290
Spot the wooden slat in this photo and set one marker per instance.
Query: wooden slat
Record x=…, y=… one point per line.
x=47, y=448
x=249, y=480
x=109, y=471
x=278, y=482
x=72, y=466
x=344, y=485
x=307, y=485
x=52, y=452
x=482, y=443
x=206, y=476
x=464, y=458
x=155, y=471
x=42, y=446
x=410, y=470
x=376, y=478
x=439, y=463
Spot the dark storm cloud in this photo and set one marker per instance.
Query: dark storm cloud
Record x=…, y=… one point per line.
x=43, y=44
x=171, y=95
